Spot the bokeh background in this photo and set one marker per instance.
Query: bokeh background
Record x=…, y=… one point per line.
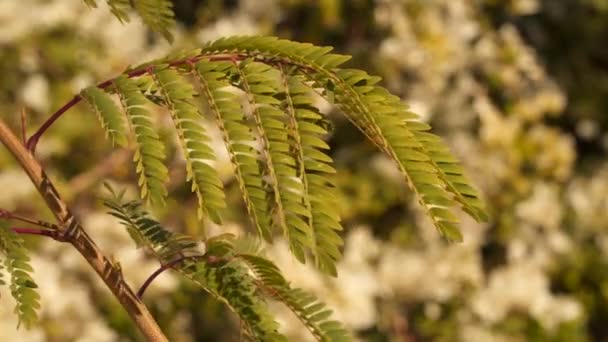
x=518, y=88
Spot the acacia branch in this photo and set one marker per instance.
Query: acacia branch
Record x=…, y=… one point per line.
x=32, y=142
x=70, y=229
x=12, y=216
x=161, y=269
x=53, y=234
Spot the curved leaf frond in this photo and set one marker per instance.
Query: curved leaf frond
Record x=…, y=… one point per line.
x=429, y=168
x=148, y=233
x=231, y=282
x=178, y=95
x=22, y=285
x=275, y=138
x=239, y=140
x=156, y=14
x=261, y=83
x=319, y=201
x=108, y=114
x=311, y=312
x=216, y=271
x=150, y=151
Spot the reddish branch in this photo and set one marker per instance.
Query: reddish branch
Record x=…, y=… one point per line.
x=12, y=216
x=234, y=57
x=53, y=234
x=33, y=140
x=163, y=268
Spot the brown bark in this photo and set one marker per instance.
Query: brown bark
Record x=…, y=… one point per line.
x=71, y=231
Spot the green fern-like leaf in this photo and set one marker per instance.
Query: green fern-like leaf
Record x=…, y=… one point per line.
x=313, y=167
x=156, y=14
x=231, y=282
x=239, y=140
x=397, y=131
x=120, y=9
x=311, y=312
x=150, y=151
x=108, y=113
x=178, y=95
x=428, y=167
x=261, y=83
x=148, y=233
x=22, y=285
x=275, y=142
x=226, y=280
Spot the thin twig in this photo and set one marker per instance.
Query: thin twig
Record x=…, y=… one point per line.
x=53, y=234
x=12, y=216
x=161, y=269
x=23, y=125
x=32, y=142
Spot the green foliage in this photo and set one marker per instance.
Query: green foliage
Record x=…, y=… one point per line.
x=428, y=166
x=274, y=135
x=238, y=137
x=223, y=271
x=108, y=113
x=156, y=14
x=22, y=285
x=231, y=282
x=150, y=151
x=226, y=280
x=312, y=313
x=147, y=233
x=261, y=83
x=313, y=166
x=178, y=95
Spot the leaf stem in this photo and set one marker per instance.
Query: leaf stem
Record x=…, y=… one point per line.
x=155, y=274
x=55, y=235
x=161, y=269
x=32, y=142
x=12, y=216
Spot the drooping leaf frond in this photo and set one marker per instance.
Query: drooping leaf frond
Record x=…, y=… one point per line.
x=239, y=140
x=452, y=173
x=261, y=82
x=225, y=279
x=149, y=150
x=108, y=113
x=156, y=14
x=380, y=116
x=231, y=282
x=200, y=157
x=311, y=312
x=120, y=9
x=274, y=137
x=313, y=166
x=22, y=285
x=148, y=233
